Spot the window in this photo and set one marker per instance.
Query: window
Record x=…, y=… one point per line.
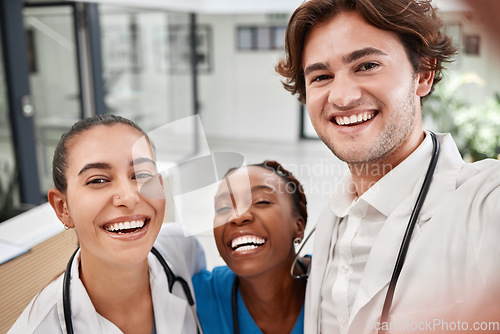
x=258, y=38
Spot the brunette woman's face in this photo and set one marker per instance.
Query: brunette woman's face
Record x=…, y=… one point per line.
x=261, y=238
x=107, y=166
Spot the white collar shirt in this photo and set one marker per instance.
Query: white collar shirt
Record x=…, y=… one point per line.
x=360, y=224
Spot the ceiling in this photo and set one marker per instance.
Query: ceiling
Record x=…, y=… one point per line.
x=240, y=6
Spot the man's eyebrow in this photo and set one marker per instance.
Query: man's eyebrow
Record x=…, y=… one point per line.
x=97, y=165
x=351, y=57
x=358, y=54
x=315, y=67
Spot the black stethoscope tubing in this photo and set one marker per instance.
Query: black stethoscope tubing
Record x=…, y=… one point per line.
x=171, y=278
x=409, y=231
x=234, y=306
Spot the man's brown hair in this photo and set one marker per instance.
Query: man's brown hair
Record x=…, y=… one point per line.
x=415, y=22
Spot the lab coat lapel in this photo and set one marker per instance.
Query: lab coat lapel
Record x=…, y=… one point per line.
x=444, y=182
x=85, y=317
x=169, y=309
x=384, y=252
x=324, y=239
x=170, y=312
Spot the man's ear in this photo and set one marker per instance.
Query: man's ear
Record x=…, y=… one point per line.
x=58, y=202
x=426, y=79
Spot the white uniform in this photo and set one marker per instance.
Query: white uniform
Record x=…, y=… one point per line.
x=172, y=313
x=452, y=258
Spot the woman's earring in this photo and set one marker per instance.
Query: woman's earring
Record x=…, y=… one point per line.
x=297, y=241
x=65, y=227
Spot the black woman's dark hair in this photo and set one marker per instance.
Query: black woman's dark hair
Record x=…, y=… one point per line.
x=293, y=186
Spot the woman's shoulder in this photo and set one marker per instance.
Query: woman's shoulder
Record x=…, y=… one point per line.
x=212, y=290
x=41, y=315
x=218, y=275
x=213, y=285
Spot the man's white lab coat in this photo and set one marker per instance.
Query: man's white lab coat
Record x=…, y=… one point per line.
x=453, y=258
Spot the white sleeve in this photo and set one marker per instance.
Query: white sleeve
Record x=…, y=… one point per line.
x=484, y=230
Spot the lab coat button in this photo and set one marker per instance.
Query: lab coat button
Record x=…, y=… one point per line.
x=344, y=323
x=345, y=268
x=358, y=213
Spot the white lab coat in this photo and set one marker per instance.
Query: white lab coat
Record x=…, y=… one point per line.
x=172, y=313
x=452, y=259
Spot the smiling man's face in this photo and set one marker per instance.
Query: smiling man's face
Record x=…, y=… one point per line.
x=362, y=93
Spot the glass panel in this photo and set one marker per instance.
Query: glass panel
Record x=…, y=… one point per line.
x=146, y=65
x=279, y=37
x=245, y=38
x=9, y=198
x=263, y=38
x=52, y=54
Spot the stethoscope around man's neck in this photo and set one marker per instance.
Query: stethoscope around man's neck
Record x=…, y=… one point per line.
x=406, y=238
x=171, y=278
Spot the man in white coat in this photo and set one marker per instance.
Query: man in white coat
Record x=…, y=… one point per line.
x=363, y=67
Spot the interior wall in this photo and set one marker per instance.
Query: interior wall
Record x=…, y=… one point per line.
x=242, y=97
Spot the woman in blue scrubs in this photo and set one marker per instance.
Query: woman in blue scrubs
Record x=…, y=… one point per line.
x=260, y=215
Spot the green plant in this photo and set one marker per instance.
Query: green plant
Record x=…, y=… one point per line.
x=478, y=130
x=475, y=127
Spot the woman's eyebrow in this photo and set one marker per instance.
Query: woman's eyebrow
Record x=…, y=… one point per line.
x=262, y=187
x=253, y=189
x=142, y=160
x=96, y=165
x=104, y=165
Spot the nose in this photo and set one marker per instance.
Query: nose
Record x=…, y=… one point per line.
x=344, y=91
x=241, y=219
x=126, y=194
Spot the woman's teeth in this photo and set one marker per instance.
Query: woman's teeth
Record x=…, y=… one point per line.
x=247, y=242
x=125, y=227
x=354, y=119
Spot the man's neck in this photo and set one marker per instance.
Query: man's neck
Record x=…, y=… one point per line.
x=366, y=174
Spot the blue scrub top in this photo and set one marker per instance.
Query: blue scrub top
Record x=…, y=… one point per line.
x=213, y=302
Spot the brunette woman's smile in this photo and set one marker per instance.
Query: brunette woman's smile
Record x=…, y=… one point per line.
x=127, y=228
